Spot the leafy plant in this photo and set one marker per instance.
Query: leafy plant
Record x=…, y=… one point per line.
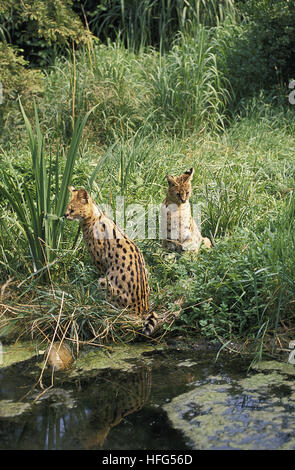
x=40, y=213
x=260, y=53
x=16, y=79
x=41, y=29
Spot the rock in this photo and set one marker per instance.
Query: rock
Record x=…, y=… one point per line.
x=60, y=356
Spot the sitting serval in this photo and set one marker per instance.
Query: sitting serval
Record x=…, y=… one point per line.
x=119, y=261
x=179, y=230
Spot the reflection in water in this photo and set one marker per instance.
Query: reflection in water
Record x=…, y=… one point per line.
x=124, y=397
x=64, y=424
x=194, y=402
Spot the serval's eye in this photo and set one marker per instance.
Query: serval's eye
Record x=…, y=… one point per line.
x=178, y=194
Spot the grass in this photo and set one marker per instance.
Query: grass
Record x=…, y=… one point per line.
x=140, y=24
x=41, y=220
x=157, y=114
x=190, y=89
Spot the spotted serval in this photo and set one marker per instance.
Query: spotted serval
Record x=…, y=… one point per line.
x=179, y=230
x=119, y=261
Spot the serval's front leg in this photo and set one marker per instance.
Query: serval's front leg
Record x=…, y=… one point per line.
x=120, y=297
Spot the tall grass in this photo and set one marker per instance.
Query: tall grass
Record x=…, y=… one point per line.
x=228, y=198
x=110, y=78
x=190, y=92
x=40, y=212
x=243, y=287
x=154, y=23
x=181, y=91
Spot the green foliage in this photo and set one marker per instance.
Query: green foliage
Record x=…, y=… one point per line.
x=245, y=283
x=148, y=22
x=244, y=286
x=41, y=29
x=109, y=77
x=179, y=92
x=40, y=212
x=157, y=111
x=261, y=53
x=16, y=79
x=229, y=294
x=189, y=90
x=274, y=28
x=32, y=32
x=228, y=198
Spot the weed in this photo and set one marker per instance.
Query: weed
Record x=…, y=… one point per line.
x=41, y=220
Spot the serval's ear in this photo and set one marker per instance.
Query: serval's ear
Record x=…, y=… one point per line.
x=83, y=196
x=189, y=174
x=171, y=180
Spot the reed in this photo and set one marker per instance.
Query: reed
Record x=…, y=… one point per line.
x=40, y=212
x=154, y=23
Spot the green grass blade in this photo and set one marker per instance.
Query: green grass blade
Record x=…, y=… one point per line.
x=99, y=165
x=71, y=158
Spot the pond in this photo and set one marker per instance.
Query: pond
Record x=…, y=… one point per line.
x=147, y=397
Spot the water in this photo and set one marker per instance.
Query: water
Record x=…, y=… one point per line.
x=170, y=398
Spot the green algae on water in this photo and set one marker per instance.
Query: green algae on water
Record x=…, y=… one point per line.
x=251, y=413
x=11, y=409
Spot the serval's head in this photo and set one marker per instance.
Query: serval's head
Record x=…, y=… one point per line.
x=80, y=206
x=180, y=187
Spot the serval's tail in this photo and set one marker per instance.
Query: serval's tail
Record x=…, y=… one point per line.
x=150, y=324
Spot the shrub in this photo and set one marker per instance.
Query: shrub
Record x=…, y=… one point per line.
x=16, y=79
x=262, y=46
x=41, y=29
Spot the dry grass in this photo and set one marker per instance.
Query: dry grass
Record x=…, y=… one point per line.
x=53, y=316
